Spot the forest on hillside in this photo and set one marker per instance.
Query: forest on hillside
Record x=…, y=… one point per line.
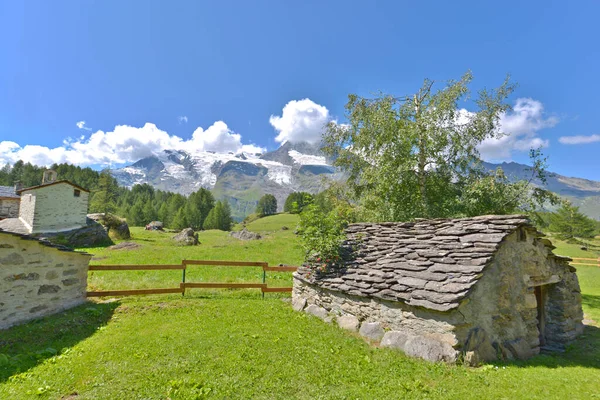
x=139, y=205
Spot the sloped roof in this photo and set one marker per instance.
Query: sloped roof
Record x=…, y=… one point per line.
x=43, y=242
x=8, y=192
x=50, y=184
x=428, y=263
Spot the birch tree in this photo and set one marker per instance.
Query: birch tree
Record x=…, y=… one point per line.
x=412, y=156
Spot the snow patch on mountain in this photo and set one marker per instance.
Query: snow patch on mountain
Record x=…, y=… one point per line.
x=305, y=159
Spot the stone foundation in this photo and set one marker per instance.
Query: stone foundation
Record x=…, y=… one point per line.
x=38, y=279
x=415, y=331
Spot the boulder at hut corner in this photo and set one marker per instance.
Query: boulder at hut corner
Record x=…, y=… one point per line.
x=114, y=225
x=187, y=237
x=245, y=234
x=93, y=234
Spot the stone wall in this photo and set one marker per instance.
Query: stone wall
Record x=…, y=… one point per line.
x=9, y=208
x=27, y=210
x=58, y=209
x=503, y=306
x=425, y=334
x=37, y=279
x=485, y=271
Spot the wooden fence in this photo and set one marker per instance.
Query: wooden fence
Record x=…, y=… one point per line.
x=192, y=285
x=592, y=262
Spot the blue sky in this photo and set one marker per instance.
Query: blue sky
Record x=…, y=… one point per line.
x=145, y=75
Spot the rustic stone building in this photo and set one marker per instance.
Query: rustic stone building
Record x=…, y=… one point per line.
x=477, y=288
x=53, y=206
x=9, y=202
x=38, y=278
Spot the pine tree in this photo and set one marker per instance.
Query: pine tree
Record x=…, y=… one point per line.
x=149, y=212
x=180, y=221
x=219, y=217
x=135, y=216
x=163, y=214
x=568, y=222
x=105, y=195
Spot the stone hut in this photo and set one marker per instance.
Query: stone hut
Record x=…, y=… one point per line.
x=473, y=289
x=53, y=206
x=9, y=202
x=38, y=278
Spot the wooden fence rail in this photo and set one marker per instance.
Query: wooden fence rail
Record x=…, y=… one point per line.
x=192, y=285
x=586, y=261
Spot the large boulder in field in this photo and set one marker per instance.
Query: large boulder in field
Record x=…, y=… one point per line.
x=245, y=234
x=187, y=237
x=114, y=225
x=155, y=226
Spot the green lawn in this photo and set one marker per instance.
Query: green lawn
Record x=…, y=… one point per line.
x=232, y=344
x=589, y=276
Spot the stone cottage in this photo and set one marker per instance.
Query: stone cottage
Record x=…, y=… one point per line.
x=53, y=206
x=474, y=289
x=38, y=278
x=9, y=202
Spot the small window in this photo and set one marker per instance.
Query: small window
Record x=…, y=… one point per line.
x=76, y=192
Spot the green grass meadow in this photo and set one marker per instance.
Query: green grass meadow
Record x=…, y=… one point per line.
x=232, y=344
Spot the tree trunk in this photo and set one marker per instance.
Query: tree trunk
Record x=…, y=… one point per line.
x=422, y=158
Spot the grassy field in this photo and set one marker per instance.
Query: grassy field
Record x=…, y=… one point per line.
x=232, y=344
x=276, y=247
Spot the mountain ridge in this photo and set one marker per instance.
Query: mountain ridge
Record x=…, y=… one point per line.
x=243, y=178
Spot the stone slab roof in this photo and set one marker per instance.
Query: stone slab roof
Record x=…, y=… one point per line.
x=14, y=225
x=8, y=192
x=41, y=241
x=427, y=263
x=51, y=184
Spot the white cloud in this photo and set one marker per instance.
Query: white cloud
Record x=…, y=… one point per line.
x=580, y=139
x=301, y=121
x=520, y=127
x=182, y=119
x=126, y=144
x=81, y=125
x=219, y=138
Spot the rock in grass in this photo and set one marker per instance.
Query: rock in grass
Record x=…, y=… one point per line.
x=348, y=322
x=298, y=303
x=317, y=311
x=394, y=340
x=245, y=234
x=187, y=237
x=372, y=331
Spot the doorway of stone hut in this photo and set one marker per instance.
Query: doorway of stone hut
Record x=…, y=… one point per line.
x=541, y=294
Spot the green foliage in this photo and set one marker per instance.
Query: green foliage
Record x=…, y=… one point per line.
x=219, y=217
x=104, y=195
x=267, y=205
x=416, y=156
x=296, y=202
x=485, y=193
x=322, y=227
x=568, y=223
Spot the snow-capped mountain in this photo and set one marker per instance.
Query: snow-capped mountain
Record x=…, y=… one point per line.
x=243, y=178
x=239, y=178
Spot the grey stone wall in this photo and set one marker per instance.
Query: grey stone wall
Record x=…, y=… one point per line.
x=38, y=280
x=391, y=317
x=27, y=210
x=9, y=208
